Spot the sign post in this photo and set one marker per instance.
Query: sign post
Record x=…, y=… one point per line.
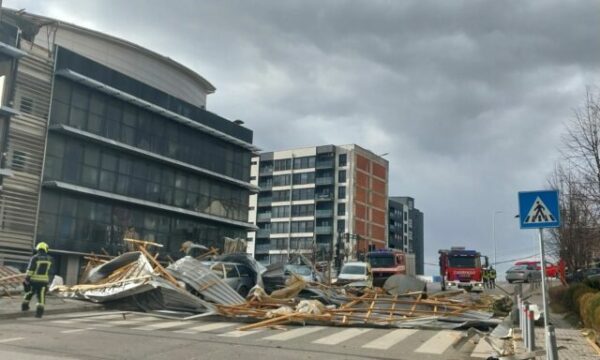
x=540, y=210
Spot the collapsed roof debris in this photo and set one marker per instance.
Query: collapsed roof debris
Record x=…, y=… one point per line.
x=187, y=285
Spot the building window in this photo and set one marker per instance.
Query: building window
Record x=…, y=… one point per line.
x=342, y=159
x=304, y=162
x=341, y=226
x=283, y=164
x=341, y=210
x=341, y=192
x=303, y=210
x=281, y=180
x=26, y=105
x=303, y=194
x=19, y=160
x=304, y=178
x=342, y=176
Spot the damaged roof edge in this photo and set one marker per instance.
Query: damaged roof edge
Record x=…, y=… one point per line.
x=40, y=21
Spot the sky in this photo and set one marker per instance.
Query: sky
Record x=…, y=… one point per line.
x=470, y=99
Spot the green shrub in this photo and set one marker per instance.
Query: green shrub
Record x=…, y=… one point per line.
x=593, y=283
x=574, y=293
x=588, y=309
x=596, y=319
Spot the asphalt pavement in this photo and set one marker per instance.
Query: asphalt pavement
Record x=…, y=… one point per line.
x=107, y=335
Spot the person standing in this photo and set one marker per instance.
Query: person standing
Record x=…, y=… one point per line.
x=486, y=278
x=40, y=273
x=492, y=277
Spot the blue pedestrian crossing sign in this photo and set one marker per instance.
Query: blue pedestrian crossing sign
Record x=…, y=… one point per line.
x=539, y=209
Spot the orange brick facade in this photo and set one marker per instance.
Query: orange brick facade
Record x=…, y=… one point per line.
x=370, y=203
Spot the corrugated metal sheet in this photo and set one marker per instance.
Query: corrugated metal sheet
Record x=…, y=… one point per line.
x=204, y=281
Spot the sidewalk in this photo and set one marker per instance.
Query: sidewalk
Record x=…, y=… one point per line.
x=10, y=307
x=574, y=345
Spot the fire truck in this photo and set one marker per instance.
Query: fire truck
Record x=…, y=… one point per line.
x=388, y=262
x=462, y=269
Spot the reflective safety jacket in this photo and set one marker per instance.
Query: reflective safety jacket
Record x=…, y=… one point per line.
x=486, y=274
x=41, y=268
x=493, y=274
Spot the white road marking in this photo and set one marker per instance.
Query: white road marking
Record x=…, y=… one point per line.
x=240, y=333
x=11, y=339
x=341, y=336
x=439, y=342
x=161, y=325
x=390, y=339
x=133, y=321
x=75, y=330
x=292, y=334
x=88, y=319
x=482, y=350
x=206, y=327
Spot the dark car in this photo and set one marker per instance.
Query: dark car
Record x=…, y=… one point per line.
x=238, y=276
x=583, y=274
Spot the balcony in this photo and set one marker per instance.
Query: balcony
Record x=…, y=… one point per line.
x=325, y=164
x=263, y=217
x=265, y=201
x=265, y=186
x=324, y=197
x=263, y=233
x=324, y=180
x=323, y=230
x=266, y=171
x=324, y=213
x=262, y=248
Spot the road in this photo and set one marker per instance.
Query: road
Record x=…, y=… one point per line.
x=137, y=336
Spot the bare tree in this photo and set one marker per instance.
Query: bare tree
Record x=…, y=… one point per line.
x=582, y=145
x=575, y=241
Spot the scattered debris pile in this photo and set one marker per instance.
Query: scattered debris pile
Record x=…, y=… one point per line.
x=204, y=283
x=136, y=279
x=374, y=308
x=11, y=280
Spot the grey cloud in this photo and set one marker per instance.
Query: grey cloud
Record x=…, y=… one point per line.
x=469, y=98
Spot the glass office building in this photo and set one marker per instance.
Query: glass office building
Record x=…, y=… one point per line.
x=125, y=149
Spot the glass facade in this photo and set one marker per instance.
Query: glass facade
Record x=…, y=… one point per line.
x=70, y=60
x=92, y=166
x=86, y=225
x=92, y=111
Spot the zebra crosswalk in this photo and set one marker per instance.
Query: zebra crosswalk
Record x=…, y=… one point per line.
x=422, y=343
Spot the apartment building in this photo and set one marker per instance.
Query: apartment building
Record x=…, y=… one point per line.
x=406, y=229
x=324, y=201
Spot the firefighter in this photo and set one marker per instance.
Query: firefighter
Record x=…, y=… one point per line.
x=486, y=278
x=40, y=273
x=492, y=277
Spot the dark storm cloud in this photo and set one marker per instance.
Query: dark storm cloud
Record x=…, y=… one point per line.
x=469, y=98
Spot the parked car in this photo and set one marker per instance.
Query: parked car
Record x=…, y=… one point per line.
x=304, y=271
x=583, y=274
x=523, y=273
x=238, y=276
x=355, y=272
x=551, y=268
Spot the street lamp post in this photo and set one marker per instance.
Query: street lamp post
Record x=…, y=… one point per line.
x=494, y=232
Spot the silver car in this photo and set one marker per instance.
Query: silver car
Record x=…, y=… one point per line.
x=523, y=273
x=238, y=276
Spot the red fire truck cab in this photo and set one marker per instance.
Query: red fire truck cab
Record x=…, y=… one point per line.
x=385, y=263
x=462, y=269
